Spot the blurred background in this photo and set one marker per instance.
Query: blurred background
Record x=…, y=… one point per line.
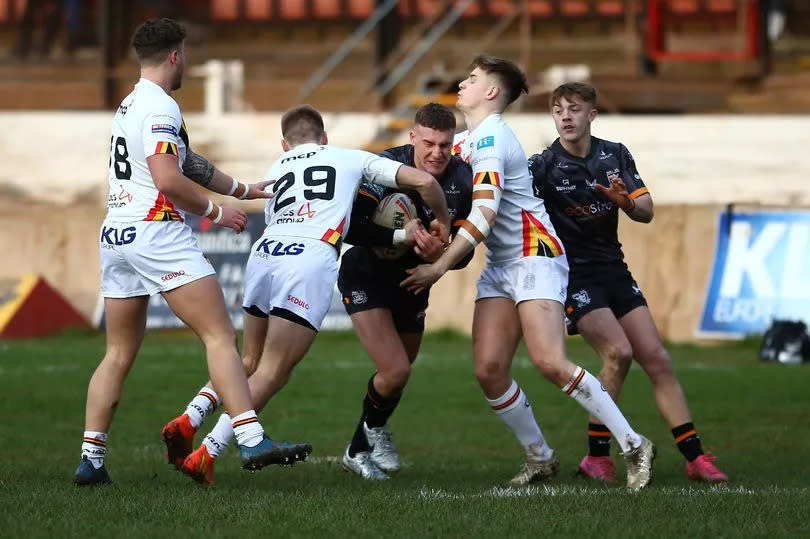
x=711, y=96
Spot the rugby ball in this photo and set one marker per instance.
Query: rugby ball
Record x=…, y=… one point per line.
x=394, y=211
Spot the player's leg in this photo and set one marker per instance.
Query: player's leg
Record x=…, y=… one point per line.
x=649, y=351
x=377, y=333
x=254, y=335
x=496, y=334
x=602, y=331
x=125, y=320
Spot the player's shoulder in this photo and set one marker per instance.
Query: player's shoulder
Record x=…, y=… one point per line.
x=545, y=158
x=402, y=154
x=457, y=168
x=608, y=146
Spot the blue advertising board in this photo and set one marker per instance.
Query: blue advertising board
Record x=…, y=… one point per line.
x=228, y=253
x=761, y=272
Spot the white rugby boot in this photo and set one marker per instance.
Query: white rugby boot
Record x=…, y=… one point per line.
x=536, y=469
x=384, y=452
x=640, y=465
x=362, y=465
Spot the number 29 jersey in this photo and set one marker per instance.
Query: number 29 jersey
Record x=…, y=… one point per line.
x=315, y=188
x=147, y=122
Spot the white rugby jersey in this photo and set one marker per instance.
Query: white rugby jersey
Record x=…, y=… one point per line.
x=522, y=226
x=315, y=188
x=147, y=122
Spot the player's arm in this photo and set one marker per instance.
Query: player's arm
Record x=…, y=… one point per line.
x=629, y=192
x=391, y=173
x=204, y=173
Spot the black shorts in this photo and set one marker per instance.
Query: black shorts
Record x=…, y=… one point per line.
x=367, y=283
x=601, y=286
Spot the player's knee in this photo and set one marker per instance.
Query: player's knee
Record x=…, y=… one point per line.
x=119, y=358
x=553, y=367
x=658, y=364
x=251, y=363
x=396, y=376
x=489, y=372
x=616, y=359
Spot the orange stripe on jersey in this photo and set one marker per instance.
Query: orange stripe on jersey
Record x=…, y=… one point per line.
x=369, y=195
x=638, y=192
x=333, y=236
x=473, y=230
x=536, y=239
x=163, y=210
x=488, y=178
x=483, y=194
x=166, y=147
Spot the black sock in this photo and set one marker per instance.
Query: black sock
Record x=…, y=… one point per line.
x=598, y=440
x=378, y=408
x=376, y=411
x=688, y=441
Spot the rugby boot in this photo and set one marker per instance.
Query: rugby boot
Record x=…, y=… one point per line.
x=383, y=450
x=269, y=452
x=178, y=435
x=703, y=469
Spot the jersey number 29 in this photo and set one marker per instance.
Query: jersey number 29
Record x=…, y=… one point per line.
x=322, y=177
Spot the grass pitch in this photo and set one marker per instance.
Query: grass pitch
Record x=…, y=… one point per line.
x=457, y=454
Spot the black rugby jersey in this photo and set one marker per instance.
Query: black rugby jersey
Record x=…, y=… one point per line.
x=363, y=232
x=585, y=220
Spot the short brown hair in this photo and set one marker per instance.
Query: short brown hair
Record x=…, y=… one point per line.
x=435, y=116
x=582, y=90
x=511, y=76
x=301, y=124
x=154, y=38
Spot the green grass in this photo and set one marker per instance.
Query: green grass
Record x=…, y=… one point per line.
x=457, y=454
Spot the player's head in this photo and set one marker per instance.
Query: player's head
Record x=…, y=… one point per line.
x=159, y=43
x=432, y=138
x=300, y=125
x=573, y=107
x=493, y=83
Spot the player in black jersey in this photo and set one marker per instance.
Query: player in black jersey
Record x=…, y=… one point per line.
x=388, y=319
x=584, y=181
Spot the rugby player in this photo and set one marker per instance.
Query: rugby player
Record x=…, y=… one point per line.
x=146, y=248
x=389, y=320
x=526, y=266
x=584, y=182
x=292, y=268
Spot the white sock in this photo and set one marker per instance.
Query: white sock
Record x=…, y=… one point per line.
x=220, y=436
x=94, y=447
x=514, y=409
x=591, y=395
x=202, y=405
x=247, y=429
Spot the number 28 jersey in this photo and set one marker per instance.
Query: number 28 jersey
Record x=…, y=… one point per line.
x=315, y=188
x=147, y=122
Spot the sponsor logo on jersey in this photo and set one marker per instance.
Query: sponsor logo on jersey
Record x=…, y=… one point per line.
x=594, y=208
x=113, y=236
x=172, y=275
x=486, y=142
x=603, y=155
x=123, y=110
x=566, y=186
x=268, y=247
x=299, y=156
x=613, y=174
x=164, y=128
x=297, y=301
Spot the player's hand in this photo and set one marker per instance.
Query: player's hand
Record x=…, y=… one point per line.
x=411, y=228
x=256, y=190
x=421, y=277
x=428, y=246
x=617, y=193
x=441, y=230
x=232, y=218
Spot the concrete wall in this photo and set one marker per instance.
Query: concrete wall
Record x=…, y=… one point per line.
x=53, y=188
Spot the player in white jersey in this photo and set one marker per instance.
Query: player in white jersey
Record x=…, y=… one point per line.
x=293, y=267
x=146, y=249
x=526, y=267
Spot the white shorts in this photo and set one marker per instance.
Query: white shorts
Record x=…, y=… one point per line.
x=530, y=277
x=295, y=274
x=148, y=257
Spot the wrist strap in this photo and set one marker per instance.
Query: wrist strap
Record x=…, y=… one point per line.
x=399, y=236
x=234, y=185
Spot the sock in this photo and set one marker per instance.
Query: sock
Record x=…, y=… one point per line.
x=94, y=447
x=514, y=409
x=202, y=405
x=247, y=429
x=378, y=408
x=359, y=443
x=688, y=441
x=598, y=440
x=584, y=388
x=220, y=436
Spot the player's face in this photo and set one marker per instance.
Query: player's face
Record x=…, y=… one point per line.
x=474, y=90
x=573, y=118
x=431, y=149
x=179, y=63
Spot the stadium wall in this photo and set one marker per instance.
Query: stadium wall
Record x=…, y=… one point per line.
x=53, y=188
